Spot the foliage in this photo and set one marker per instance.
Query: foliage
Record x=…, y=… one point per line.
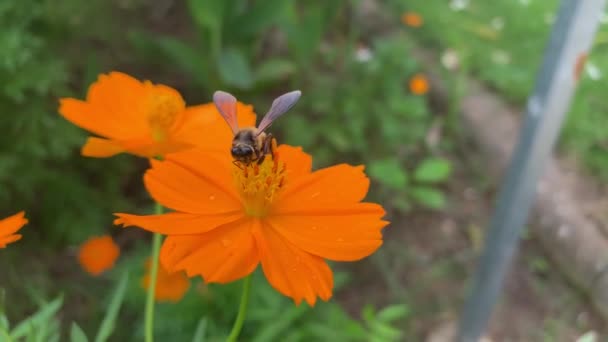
x=40, y=168
x=503, y=44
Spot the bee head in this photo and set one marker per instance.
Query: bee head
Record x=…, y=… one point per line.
x=241, y=150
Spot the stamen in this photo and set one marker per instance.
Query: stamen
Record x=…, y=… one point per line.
x=259, y=184
x=163, y=110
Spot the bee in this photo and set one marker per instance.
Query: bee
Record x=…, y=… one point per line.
x=252, y=144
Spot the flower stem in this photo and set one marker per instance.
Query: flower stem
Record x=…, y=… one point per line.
x=240, y=317
x=156, y=240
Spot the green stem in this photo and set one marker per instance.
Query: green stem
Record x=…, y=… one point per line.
x=240, y=317
x=156, y=240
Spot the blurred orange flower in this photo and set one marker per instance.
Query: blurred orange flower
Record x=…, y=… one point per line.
x=98, y=254
x=412, y=19
x=9, y=226
x=419, y=85
x=227, y=220
x=169, y=286
x=140, y=118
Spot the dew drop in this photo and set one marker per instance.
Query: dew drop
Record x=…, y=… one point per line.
x=316, y=194
x=340, y=239
x=211, y=197
x=314, y=227
x=294, y=269
x=226, y=242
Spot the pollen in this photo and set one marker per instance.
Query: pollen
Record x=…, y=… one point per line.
x=163, y=111
x=259, y=184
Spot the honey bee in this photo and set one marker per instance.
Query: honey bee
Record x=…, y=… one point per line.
x=252, y=144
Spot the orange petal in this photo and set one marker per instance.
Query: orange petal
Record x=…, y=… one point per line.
x=98, y=254
x=169, y=286
x=346, y=234
x=222, y=255
x=114, y=107
x=291, y=271
x=147, y=148
x=178, y=223
x=192, y=182
x=330, y=187
x=5, y=240
x=97, y=147
x=203, y=126
x=297, y=162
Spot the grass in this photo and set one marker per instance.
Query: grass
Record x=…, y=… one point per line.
x=502, y=43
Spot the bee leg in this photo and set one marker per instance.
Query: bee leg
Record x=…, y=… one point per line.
x=268, y=147
x=238, y=164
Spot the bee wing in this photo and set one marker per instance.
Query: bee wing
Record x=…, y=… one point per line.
x=279, y=107
x=226, y=105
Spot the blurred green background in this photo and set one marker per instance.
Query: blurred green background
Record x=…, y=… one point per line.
x=353, y=61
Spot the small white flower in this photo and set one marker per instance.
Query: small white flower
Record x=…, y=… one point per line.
x=593, y=71
x=450, y=60
x=498, y=23
x=363, y=54
x=501, y=57
x=458, y=5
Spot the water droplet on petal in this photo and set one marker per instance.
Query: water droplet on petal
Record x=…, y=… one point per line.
x=294, y=269
x=314, y=227
x=211, y=197
x=340, y=239
x=316, y=194
x=226, y=242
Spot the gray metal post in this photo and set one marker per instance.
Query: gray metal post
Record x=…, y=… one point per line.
x=571, y=39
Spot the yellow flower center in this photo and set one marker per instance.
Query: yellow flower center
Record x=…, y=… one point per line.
x=259, y=184
x=163, y=110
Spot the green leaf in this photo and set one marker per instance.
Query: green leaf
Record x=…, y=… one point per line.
x=260, y=16
x=273, y=70
x=234, y=69
x=428, y=197
x=109, y=321
x=38, y=319
x=433, y=170
x=201, y=330
x=76, y=334
x=207, y=13
x=276, y=328
x=388, y=172
x=174, y=52
x=385, y=332
x=393, y=312
x=4, y=324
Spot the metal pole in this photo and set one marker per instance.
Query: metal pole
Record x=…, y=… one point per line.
x=565, y=55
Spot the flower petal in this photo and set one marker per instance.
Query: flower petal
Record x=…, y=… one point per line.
x=334, y=186
x=97, y=147
x=203, y=126
x=12, y=223
x=113, y=109
x=341, y=234
x=290, y=270
x=297, y=162
x=221, y=255
x=193, y=182
x=178, y=223
x=5, y=240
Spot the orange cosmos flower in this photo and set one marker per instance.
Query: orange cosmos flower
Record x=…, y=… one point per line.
x=169, y=286
x=137, y=117
x=9, y=226
x=419, y=85
x=98, y=254
x=411, y=19
x=227, y=220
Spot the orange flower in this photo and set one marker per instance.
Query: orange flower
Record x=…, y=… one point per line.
x=136, y=117
x=411, y=19
x=98, y=254
x=419, y=84
x=227, y=220
x=169, y=286
x=9, y=226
